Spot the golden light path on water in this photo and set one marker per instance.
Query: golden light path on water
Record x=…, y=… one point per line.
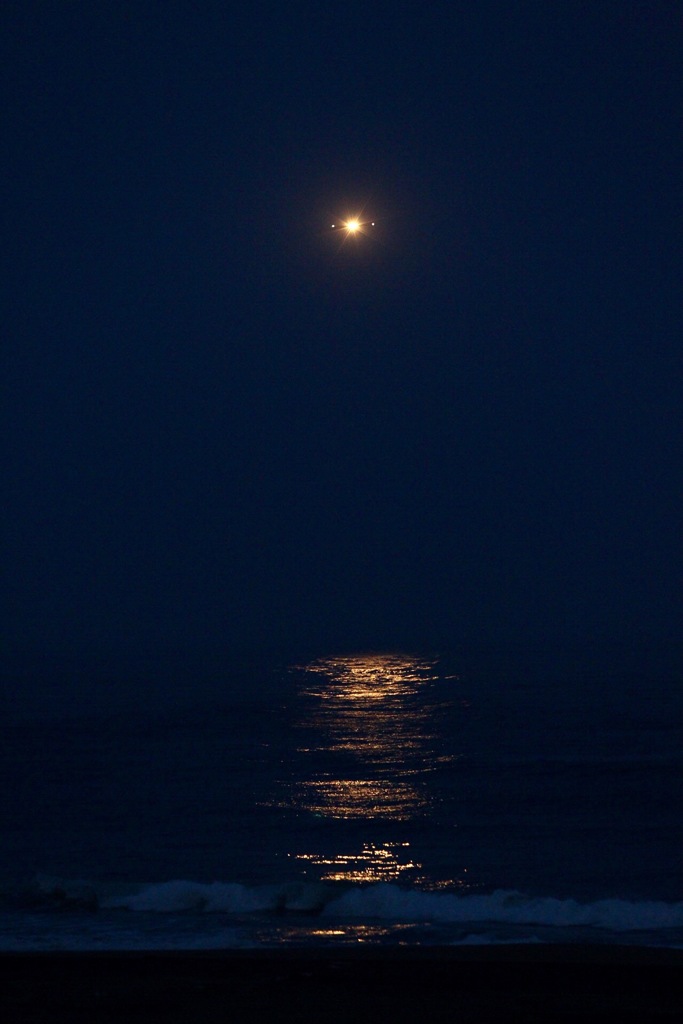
x=370, y=742
x=383, y=862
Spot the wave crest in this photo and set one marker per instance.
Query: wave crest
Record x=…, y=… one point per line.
x=382, y=901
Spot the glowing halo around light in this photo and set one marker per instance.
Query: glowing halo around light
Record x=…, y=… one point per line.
x=353, y=226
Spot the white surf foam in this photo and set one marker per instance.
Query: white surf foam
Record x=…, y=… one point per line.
x=386, y=901
x=382, y=901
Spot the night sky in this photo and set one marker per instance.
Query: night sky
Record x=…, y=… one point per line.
x=222, y=426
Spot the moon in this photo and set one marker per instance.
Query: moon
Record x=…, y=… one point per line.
x=353, y=226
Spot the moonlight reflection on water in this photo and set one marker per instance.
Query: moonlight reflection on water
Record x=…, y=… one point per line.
x=369, y=743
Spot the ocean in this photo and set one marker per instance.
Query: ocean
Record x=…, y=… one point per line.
x=387, y=798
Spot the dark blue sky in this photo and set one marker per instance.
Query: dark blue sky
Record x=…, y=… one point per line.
x=222, y=429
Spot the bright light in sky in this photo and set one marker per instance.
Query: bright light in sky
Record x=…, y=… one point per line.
x=353, y=226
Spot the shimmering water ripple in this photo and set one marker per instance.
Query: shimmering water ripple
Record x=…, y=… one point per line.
x=369, y=740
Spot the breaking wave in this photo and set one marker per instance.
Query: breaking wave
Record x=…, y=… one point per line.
x=506, y=907
x=379, y=902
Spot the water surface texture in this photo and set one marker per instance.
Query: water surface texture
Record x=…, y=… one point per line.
x=382, y=797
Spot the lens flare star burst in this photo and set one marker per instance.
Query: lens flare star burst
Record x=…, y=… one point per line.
x=353, y=227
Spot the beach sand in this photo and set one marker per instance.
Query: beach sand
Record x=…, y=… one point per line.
x=459, y=984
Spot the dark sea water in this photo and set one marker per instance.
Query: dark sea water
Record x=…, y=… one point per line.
x=373, y=798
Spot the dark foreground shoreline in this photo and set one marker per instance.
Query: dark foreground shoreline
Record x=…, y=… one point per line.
x=459, y=984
